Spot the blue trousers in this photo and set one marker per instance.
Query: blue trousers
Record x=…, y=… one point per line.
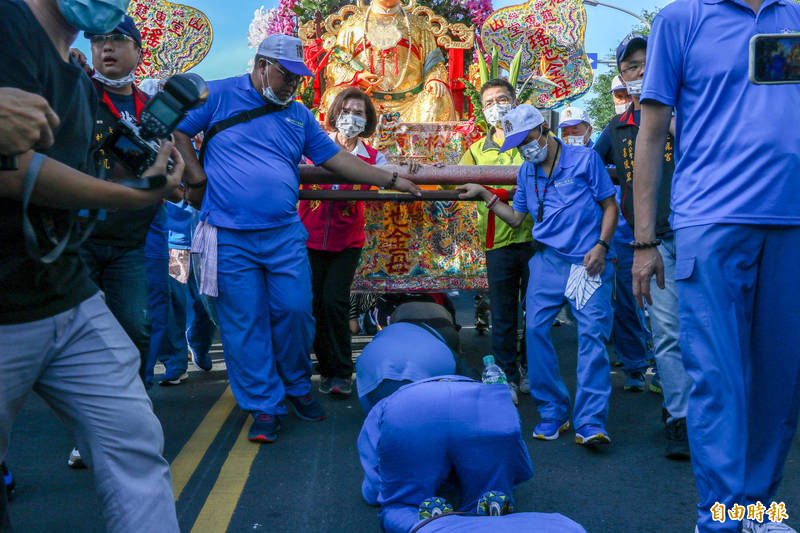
x=121, y=274
x=412, y=440
x=740, y=332
x=264, y=308
x=158, y=295
x=507, y=273
x=549, y=274
x=630, y=331
x=200, y=327
x=512, y=523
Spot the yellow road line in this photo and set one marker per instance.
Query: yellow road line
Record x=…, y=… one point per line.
x=215, y=516
x=195, y=448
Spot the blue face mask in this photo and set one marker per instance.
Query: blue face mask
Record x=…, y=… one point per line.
x=533, y=152
x=93, y=16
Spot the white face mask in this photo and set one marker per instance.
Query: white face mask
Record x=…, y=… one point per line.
x=575, y=140
x=350, y=125
x=115, y=84
x=269, y=94
x=634, y=87
x=621, y=108
x=533, y=152
x=495, y=113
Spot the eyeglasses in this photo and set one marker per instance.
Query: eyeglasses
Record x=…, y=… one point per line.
x=632, y=68
x=502, y=100
x=289, y=77
x=115, y=38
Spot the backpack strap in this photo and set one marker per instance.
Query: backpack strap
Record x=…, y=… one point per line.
x=239, y=118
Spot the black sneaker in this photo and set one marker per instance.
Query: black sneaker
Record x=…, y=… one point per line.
x=325, y=385
x=677, y=440
x=306, y=407
x=264, y=429
x=341, y=386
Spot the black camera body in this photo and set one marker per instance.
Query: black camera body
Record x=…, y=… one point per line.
x=136, y=146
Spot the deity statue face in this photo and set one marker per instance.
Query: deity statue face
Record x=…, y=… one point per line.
x=386, y=5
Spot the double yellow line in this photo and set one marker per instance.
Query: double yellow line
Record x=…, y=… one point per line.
x=215, y=516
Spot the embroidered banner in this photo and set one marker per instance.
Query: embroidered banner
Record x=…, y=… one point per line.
x=422, y=246
x=175, y=37
x=551, y=34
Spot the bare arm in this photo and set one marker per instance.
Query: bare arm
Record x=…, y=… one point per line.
x=501, y=209
x=595, y=260
x=355, y=170
x=194, y=172
x=647, y=175
x=63, y=187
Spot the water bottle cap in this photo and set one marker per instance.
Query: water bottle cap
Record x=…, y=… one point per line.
x=488, y=360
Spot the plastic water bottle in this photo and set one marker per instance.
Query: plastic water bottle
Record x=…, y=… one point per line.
x=492, y=373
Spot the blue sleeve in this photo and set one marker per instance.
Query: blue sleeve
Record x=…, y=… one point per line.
x=598, y=179
x=368, y=453
x=318, y=147
x=665, y=51
x=199, y=119
x=520, y=197
x=603, y=146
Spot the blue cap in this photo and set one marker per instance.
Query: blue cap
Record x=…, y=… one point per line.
x=518, y=123
x=627, y=43
x=126, y=27
x=287, y=50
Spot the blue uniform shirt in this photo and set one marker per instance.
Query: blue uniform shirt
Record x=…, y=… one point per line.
x=572, y=215
x=181, y=219
x=253, y=180
x=737, y=142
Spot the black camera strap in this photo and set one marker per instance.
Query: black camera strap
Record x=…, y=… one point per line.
x=28, y=231
x=239, y=118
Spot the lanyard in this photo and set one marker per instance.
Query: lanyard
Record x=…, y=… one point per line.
x=137, y=98
x=540, y=212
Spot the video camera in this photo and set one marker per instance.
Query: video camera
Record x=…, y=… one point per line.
x=136, y=146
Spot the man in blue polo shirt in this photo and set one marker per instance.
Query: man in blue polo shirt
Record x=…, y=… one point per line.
x=736, y=215
x=251, y=234
x=571, y=198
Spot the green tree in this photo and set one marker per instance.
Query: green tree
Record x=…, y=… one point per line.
x=601, y=106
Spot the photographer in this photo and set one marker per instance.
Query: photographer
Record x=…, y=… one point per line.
x=115, y=252
x=56, y=334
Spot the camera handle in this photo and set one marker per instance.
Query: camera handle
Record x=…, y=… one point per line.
x=31, y=241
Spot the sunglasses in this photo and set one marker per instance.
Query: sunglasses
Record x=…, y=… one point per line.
x=288, y=77
x=115, y=38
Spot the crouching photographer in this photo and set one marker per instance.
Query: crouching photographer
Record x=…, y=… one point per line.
x=57, y=336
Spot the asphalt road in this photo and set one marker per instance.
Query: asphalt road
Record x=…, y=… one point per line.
x=309, y=480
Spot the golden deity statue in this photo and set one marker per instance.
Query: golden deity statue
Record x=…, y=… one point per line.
x=393, y=55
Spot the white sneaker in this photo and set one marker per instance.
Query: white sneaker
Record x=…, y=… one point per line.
x=524, y=382
x=75, y=460
x=751, y=526
x=514, y=388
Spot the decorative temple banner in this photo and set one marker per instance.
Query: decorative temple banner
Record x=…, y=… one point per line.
x=175, y=37
x=551, y=33
x=422, y=246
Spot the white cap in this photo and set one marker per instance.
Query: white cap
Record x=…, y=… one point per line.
x=617, y=84
x=287, y=50
x=573, y=116
x=518, y=123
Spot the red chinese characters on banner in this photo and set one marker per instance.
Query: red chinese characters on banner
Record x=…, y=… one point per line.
x=175, y=37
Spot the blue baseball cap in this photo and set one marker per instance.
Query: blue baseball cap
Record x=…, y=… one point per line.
x=287, y=50
x=126, y=27
x=518, y=123
x=626, y=47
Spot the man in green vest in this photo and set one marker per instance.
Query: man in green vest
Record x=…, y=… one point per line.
x=508, y=250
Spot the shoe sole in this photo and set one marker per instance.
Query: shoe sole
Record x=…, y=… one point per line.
x=655, y=389
x=634, y=388
x=561, y=429
x=600, y=438
x=336, y=391
x=264, y=439
x=301, y=417
x=181, y=379
x=76, y=465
